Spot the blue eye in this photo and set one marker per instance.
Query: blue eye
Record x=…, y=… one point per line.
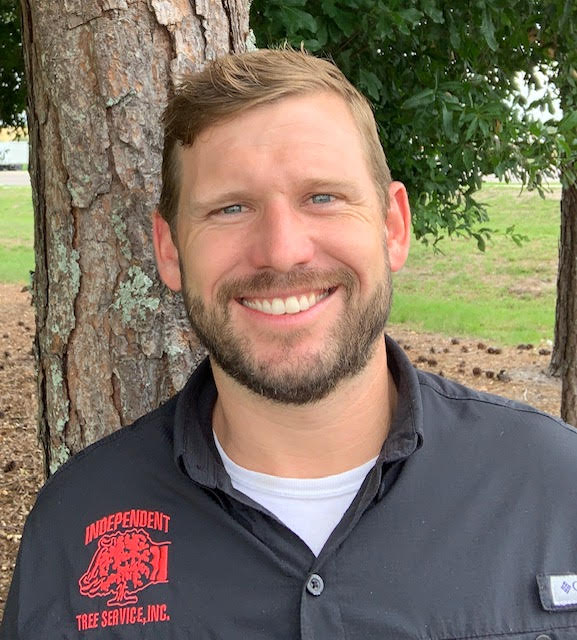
x=233, y=208
x=322, y=198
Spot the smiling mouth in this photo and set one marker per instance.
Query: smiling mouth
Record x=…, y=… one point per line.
x=288, y=305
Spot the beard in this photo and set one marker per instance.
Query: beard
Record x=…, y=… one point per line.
x=288, y=378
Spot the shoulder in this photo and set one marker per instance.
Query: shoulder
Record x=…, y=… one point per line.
x=496, y=422
x=127, y=453
x=458, y=396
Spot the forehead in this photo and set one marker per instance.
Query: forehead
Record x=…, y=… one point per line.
x=310, y=129
x=321, y=111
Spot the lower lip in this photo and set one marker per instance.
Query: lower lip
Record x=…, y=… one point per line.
x=290, y=318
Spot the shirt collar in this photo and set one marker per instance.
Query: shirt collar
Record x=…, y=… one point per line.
x=194, y=447
x=406, y=430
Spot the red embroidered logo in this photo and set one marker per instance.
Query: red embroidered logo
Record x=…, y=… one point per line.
x=126, y=561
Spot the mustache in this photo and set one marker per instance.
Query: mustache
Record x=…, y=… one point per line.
x=267, y=282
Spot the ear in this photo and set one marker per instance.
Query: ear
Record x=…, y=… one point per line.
x=398, y=225
x=166, y=253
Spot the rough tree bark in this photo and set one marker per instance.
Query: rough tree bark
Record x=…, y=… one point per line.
x=564, y=358
x=111, y=342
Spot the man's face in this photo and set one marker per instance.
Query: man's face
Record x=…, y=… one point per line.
x=281, y=241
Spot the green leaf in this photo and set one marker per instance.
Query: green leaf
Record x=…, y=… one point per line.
x=411, y=15
x=346, y=20
x=322, y=35
x=435, y=14
x=454, y=37
x=488, y=30
x=371, y=82
x=471, y=128
x=295, y=19
x=569, y=122
x=447, y=122
x=421, y=99
x=564, y=145
x=328, y=7
x=449, y=98
x=312, y=45
x=484, y=127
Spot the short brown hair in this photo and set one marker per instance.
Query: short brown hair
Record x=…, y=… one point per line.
x=238, y=82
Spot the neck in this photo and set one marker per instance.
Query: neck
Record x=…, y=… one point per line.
x=337, y=433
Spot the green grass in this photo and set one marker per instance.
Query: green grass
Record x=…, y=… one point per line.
x=506, y=294
x=16, y=234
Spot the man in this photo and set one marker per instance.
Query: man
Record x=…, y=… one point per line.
x=307, y=482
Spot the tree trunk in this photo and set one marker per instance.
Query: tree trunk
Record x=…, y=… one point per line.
x=564, y=358
x=111, y=342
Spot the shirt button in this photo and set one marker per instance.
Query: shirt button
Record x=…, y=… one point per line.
x=315, y=585
x=543, y=636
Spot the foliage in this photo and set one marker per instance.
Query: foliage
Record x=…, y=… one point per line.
x=556, y=36
x=443, y=78
x=12, y=87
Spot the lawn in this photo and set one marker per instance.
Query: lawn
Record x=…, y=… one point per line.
x=506, y=294
x=16, y=234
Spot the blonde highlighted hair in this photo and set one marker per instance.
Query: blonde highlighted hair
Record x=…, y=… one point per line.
x=238, y=82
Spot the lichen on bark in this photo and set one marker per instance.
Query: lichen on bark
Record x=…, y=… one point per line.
x=134, y=298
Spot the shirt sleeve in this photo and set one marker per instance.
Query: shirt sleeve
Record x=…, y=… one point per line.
x=38, y=603
x=9, y=624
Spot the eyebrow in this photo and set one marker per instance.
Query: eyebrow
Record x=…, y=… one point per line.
x=324, y=184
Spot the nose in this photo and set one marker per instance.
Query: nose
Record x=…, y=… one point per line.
x=282, y=238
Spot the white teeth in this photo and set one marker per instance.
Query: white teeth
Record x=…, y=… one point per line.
x=291, y=305
x=266, y=306
x=277, y=307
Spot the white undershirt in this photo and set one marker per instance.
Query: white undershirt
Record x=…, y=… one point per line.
x=310, y=507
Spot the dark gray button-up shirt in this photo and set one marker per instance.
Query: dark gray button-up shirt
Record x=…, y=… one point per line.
x=466, y=528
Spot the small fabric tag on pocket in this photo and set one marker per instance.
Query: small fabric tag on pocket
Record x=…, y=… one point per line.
x=558, y=592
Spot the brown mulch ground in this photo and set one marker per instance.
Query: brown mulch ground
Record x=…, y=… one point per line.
x=20, y=456
x=517, y=373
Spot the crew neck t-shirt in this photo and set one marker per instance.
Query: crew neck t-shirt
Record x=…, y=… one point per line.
x=310, y=507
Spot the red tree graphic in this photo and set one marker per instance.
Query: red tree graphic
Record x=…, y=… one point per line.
x=125, y=563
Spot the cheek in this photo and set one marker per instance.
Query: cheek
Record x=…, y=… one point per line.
x=363, y=251
x=209, y=259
